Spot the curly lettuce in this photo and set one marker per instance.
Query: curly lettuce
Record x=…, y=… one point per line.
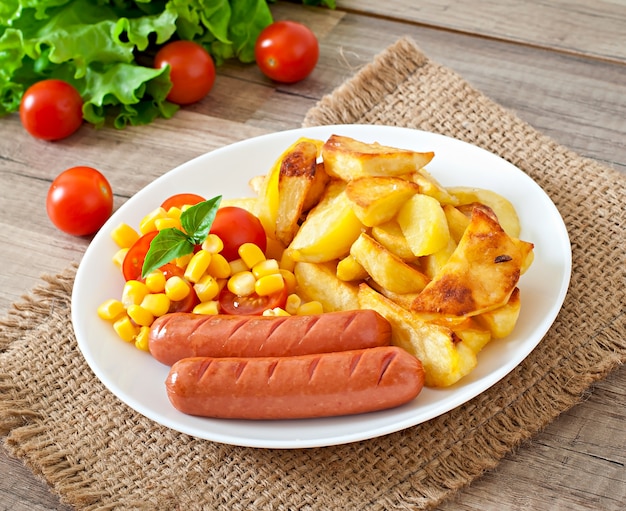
x=102, y=47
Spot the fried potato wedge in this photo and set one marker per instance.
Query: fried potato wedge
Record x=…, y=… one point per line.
x=457, y=221
x=428, y=185
x=318, y=281
x=501, y=321
x=329, y=229
x=424, y=225
x=385, y=268
x=377, y=199
x=480, y=275
x=349, y=269
x=250, y=204
x=502, y=207
x=390, y=236
x=347, y=159
x=445, y=359
x=298, y=174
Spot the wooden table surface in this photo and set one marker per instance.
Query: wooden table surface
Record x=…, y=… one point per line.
x=559, y=64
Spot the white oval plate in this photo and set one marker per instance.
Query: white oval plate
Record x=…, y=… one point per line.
x=138, y=380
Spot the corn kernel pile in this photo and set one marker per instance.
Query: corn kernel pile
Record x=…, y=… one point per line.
x=205, y=273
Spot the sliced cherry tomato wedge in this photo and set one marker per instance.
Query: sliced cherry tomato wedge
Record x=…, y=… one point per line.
x=182, y=199
x=133, y=262
x=252, y=305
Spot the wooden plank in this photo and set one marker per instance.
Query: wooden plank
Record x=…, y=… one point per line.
x=595, y=29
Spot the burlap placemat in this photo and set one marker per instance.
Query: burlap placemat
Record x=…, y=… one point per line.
x=96, y=453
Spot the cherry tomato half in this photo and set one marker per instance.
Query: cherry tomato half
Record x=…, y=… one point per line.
x=192, y=71
x=79, y=201
x=286, y=51
x=181, y=199
x=253, y=305
x=133, y=261
x=236, y=226
x=51, y=110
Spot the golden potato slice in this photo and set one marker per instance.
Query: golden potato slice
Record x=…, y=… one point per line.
x=390, y=236
x=377, y=199
x=501, y=321
x=481, y=273
x=444, y=358
x=268, y=190
x=329, y=229
x=318, y=281
x=316, y=188
x=347, y=159
x=428, y=185
x=349, y=269
x=298, y=171
x=434, y=263
x=387, y=269
x=251, y=204
x=457, y=222
x=424, y=225
x=502, y=207
x=472, y=334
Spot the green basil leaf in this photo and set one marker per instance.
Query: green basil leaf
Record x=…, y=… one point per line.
x=197, y=220
x=166, y=246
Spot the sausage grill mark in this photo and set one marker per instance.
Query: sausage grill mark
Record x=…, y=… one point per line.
x=204, y=368
x=313, y=366
x=386, y=362
x=355, y=362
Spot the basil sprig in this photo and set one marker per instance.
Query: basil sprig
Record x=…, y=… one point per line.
x=172, y=243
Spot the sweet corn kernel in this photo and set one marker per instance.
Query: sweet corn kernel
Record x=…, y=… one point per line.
x=237, y=266
x=118, y=257
x=174, y=212
x=206, y=288
x=210, y=308
x=308, y=308
x=139, y=315
x=251, y=254
x=134, y=292
x=167, y=223
x=141, y=341
x=290, y=280
x=176, y=288
x=183, y=261
x=155, y=281
x=213, y=244
x=147, y=222
x=198, y=264
x=266, y=267
x=286, y=262
x=124, y=235
x=292, y=304
x=242, y=283
x=219, y=267
x=276, y=311
x=269, y=284
x=111, y=309
x=125, y=329
x=156, y=303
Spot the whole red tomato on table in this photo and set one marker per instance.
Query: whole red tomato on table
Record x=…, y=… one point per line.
x=192, y=71
x=51, y=110
x=286, y=51
x=79, y=201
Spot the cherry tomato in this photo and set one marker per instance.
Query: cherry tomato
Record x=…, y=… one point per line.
x=79, y=201
x=253, y=305
x=51, y=110
x=192, y=71
x=236, y=226
x=181, y=199
x=133, y=261
x=286, y=51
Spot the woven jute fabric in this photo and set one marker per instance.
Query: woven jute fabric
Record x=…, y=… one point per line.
x=97, y=453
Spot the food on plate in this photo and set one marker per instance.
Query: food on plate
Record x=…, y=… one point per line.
x=297, y=387
x=338, y=229
x=286, y=51
x=177, y=336
x=79, y=200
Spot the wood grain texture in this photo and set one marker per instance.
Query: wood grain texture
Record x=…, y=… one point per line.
x=560, y=65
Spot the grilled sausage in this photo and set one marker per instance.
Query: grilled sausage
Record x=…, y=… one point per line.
x=181, y=335
x=306, y=386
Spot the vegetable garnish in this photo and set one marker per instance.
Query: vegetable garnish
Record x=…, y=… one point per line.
x=171, y=243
